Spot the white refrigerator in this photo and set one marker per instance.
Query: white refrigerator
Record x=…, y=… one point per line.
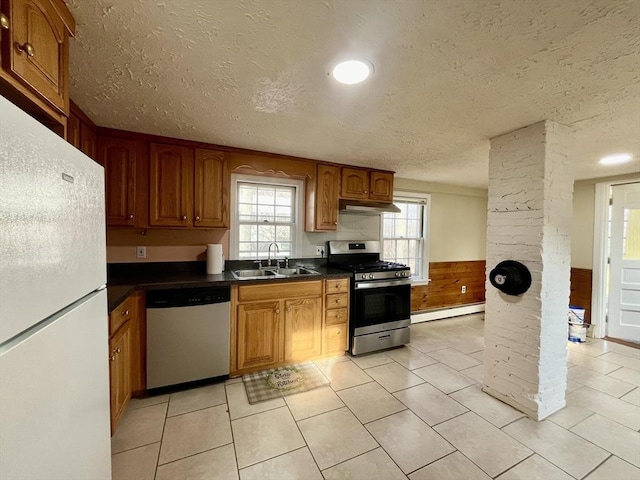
x=54, y=367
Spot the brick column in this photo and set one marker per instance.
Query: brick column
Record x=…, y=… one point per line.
x=529, y=220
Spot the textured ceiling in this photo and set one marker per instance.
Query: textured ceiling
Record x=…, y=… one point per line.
x=449, y=75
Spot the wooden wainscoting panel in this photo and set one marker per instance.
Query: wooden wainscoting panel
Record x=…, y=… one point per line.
x=581, y=290
x=447, y=279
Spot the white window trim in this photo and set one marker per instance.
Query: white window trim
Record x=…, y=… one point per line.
x=423, y=279
x=299, y=209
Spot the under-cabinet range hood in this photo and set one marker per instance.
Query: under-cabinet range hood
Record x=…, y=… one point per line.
x=367, y=208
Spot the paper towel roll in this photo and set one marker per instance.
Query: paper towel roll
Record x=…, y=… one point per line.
x=214, y=258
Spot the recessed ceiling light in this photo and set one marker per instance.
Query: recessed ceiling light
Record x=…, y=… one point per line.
x=615, y=159
x=352, y=71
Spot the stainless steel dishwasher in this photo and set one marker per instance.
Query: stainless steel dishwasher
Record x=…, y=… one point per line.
x=188, y=335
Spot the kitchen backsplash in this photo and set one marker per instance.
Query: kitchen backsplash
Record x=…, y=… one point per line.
x=190, y=245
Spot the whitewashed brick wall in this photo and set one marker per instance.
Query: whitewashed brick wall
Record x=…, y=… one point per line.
x=529, y=220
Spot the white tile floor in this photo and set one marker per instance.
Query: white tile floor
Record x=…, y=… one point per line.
x=417, y=412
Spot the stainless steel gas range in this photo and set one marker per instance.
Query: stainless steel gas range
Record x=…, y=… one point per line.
x=380, y=315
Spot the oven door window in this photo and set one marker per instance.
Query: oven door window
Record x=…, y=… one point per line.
x=373, y=306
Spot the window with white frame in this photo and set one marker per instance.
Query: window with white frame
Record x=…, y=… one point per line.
x=404, y=234
x=265, y=211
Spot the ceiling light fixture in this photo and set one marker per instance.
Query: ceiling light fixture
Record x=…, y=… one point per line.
x=352, y=71
x=615, y=159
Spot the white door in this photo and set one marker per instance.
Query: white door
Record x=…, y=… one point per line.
x=624, y=267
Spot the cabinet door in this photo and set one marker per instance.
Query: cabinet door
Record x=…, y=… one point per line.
x=39, y=50
x=211, y=190
x=88, y=141
x=138, y=342
x=327, y=193
x=335, y=339
x=119, y=373
x=354, y=183
x=302, y=328
x=259, y=334
x=381, y=186
x=171, y=186
x=73, y=131
x=119, y=159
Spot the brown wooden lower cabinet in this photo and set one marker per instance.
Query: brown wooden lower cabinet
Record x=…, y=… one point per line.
x=120, y=373
x=302, y=328
x=284, y=322
x=259, y=331
x=336, y=316
x=127, y=354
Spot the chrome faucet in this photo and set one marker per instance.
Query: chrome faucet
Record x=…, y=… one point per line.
x=269, y=253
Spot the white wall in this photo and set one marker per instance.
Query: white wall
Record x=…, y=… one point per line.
x=350, y=227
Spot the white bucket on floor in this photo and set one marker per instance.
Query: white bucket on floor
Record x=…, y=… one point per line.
x=576, y=314
x=578, y=332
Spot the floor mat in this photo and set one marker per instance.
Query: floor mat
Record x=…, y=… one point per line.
x=281, y=381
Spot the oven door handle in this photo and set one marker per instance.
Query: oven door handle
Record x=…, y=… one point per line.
x=378, y=284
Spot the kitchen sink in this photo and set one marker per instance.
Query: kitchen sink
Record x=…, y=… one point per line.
x=252, y=274
x=288, y=272
x=271, y=273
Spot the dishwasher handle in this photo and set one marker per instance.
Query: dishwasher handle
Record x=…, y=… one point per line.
x=187, y=297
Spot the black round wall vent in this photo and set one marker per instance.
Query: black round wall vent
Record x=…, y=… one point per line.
x=511, y=277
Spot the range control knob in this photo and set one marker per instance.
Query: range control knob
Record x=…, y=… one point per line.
x=405, y=274
x=371, y=276
x=364, y=276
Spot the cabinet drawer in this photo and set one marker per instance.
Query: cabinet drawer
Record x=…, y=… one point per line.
x=337, y=300
x=121, y=314
x=336, y=316
x=337, y=286
x=335, y=338
x=250, y=293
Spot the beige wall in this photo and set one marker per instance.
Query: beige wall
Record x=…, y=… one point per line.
x=583, y=219
x=458, y=224
x=582, y=225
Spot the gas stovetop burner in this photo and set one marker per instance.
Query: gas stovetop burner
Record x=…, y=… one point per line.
x=379, y=266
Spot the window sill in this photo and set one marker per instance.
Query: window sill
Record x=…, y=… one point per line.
x=420, y=281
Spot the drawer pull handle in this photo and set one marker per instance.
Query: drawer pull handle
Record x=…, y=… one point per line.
x=277, y=310
x=184, y=217
x=197, y=218
x=4, y=21
x=130, y=216
x=338, y=300
x=118, y=350
x=124, y=313
x=26, y=48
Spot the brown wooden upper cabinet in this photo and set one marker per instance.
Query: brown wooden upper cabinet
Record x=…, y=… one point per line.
x=361, y=184
x=119, y=157
x=35, y=49
x=211, y=191
x=326, y=200
x=187, y=191
x=88, y=141
x=381, y=186
x=73, y=130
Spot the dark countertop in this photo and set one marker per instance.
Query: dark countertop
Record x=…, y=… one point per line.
x=123, y=281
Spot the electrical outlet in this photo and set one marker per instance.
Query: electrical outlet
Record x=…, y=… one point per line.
x=141, y=252
x=464, y=289
x=319, y=250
